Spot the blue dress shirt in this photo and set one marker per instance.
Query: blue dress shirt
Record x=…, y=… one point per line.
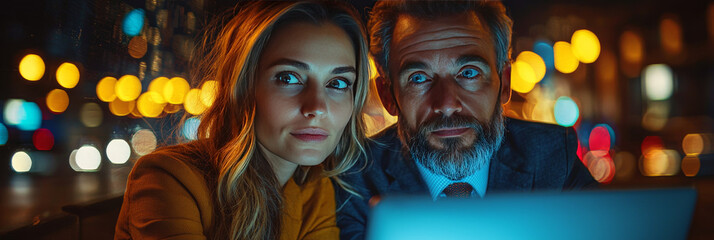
x=437, y=183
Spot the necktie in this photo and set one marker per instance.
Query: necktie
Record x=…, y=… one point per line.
x=459, y=190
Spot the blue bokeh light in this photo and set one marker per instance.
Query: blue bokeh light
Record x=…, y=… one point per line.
x=190, y=128
x=133, y=22
x=29, y=116
x=566, y=111
x=3, y=134
x=545, y=51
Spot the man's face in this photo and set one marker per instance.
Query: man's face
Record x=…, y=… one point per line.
x=445, y=82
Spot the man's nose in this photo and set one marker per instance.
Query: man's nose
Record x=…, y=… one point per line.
x=313, y=102
x=445, y=97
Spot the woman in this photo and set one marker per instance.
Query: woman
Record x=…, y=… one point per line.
x=292, y=80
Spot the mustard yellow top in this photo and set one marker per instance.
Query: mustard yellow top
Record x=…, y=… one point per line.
x=167, y=198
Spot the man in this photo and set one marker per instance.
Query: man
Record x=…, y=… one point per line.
x=445, y=71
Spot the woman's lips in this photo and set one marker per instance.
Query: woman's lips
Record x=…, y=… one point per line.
x=310, y=134
x=449, y=132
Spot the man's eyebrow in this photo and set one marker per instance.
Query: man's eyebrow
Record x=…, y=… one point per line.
x=290, y=62
x=345, y=69
x=411, y=65
x=471, y=58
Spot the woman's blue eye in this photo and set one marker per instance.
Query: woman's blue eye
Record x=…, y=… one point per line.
x=340, y=84
x=469, y=73
x=417, y=78
x=287, y=78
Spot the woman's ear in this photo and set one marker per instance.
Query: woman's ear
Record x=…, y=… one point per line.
x=386, y=95
x=506, y=83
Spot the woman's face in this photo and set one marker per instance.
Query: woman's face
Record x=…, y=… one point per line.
x=304, y=91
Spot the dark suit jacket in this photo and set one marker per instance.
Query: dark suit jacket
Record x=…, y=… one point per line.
x=533, y=156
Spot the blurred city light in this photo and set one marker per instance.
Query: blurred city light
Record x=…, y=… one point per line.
x=632, y=51
x=193, y=103
x=67, y=75
x=147, y=105
x=693, y=144
x=658, y=81
x=536, y=72
x=566, y=111
x=118, y=151
x=30, y=116
x=91, y=115
x=670, y=35
x=175, y=90
x=88, y=158
x=21, y=162
x=57, y=101
x=137, y=47
x=157, y=85
x=209, y=89
x=518, y=82
x=690, y=166
x=585, y=45
x=651, y=143
x=600, y=138
x=73, y=161
x=105, y=89
x=143, y=142
x=11, y=111
x=121, y=108
x=660, y=162
x=600, y=165
x=32, y=67
x=133, y=22
x=190, y=128
x=563, y=57
x=3, y=134
x=43, y=139
x=128, y=88
x=545, y=51
x=656, y=115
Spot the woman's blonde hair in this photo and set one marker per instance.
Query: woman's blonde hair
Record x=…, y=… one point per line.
x=247, y=195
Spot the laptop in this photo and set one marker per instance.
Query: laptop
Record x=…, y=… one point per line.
x=596, y=214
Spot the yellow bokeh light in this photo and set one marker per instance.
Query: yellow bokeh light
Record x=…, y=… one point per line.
x=121, y=108
x=32, y=67
x=670, y=35
x=585, y=45
x=208, y=92
x=694, y=144
x=518, y=83
x=631, y=47
x=157, y=85
x=137, y=47
x=193, y=104
x=148, y=107
x=175, y=90
x=128, y=88
x=68, y=75
x=537, y=66
x=660, y=162
x=57, y=100
x=690, y=166
x=105, y=89
x=563, y=57
x=91, y=115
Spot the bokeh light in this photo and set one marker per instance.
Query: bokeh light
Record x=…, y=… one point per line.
x=600, y=138
x=190, y=128
x=632, y=51
x=537, y=66
x=601, y=166
x=172, y=108
x=658, y=81
x=175, y=90
x=209, y=89
x=57, y=101
x=67, y=75
x=73, y=161
x=651, y=143
x=545, y=51
x=91, y=115
x=519, y=83
x=690, y=166
x=43, y=139
x=143, y=142
x=157, y=85
x=660, y=162
x=693, y=144
x=585, y=45
x=30, y=117
x=3, y=134
x=193, y=103
x=11, y=111
x=670, y=35
x=88, y=158
x=105, y=89
x=563, y=57
x=21, y=162
x=147, y=105
x=128, y=88
x=118, y=151
x=32, y=67
x=133, y=22
x=566, y=111
x=137, y=47
x=121, y=108
x=656, y=115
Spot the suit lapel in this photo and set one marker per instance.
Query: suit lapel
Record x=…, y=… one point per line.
x=404, y=176
x=509, y=171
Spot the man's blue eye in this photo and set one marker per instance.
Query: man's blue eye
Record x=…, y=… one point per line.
x=287, y=78
x=469, y=73
x=417, y=78
x=340, y=84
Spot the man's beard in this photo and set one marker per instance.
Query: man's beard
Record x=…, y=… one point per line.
x=454, y=161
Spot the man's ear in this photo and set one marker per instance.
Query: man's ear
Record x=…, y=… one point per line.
x=386, y=95
x=506, y=83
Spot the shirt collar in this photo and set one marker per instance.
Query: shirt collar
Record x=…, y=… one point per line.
x=436, y=183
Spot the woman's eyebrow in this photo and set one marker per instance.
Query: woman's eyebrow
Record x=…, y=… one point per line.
x=290, y=62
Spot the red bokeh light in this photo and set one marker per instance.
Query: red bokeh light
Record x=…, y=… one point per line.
x=600, y=139
x=43, y=139
x=651, y=143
